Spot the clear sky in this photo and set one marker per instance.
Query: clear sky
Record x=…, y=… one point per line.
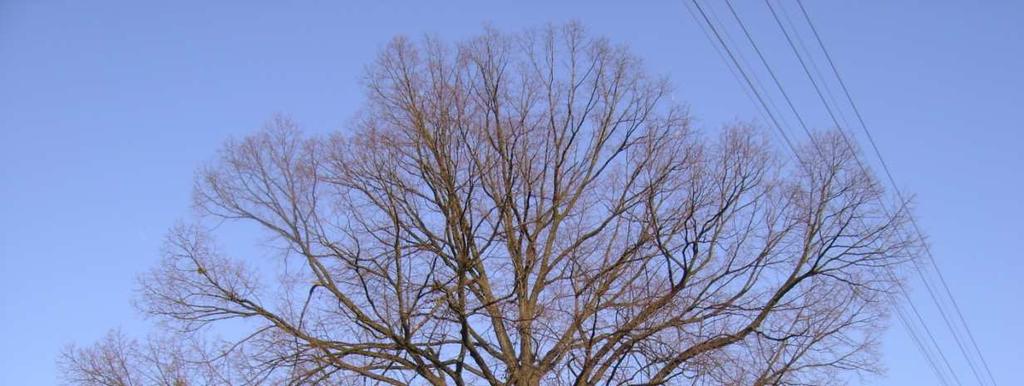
x=107, y=107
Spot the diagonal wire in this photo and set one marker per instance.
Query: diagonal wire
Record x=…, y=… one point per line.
x=732, y=70
x=761, y=100
x=899, y=194
x=892, y=180
x=749, y=82
x=781, y=89
x=919, y=343
x=920, y=272
x=778, y=83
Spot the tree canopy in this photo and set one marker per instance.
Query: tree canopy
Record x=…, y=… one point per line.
x=521, y=209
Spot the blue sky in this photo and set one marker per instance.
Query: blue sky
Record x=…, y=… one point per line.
x=107, y=108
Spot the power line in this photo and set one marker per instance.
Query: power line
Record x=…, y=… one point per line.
x=918, y=343
x=848, y=142
x=732, y=70
x=775, y=78
x=927, y=330
x=900, y=314
x=747, y=78
x=920, y=272
x=743, y=62
x=814, y=66
x=899, y=194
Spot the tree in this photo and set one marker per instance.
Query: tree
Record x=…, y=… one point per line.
x=521, y=210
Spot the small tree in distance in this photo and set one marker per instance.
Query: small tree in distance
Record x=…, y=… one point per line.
x=522, y=210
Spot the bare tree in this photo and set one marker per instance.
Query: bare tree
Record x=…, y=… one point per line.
x=521, y=210
x=165, y=361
